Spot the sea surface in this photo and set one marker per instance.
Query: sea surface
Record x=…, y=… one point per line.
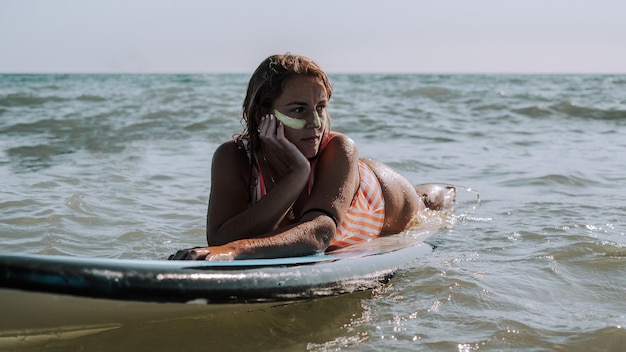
x=118, y=166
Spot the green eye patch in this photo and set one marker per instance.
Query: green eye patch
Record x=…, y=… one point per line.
x=296, y=123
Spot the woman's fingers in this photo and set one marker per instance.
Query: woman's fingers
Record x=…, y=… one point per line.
x=265, y=129
x=272, y=134
x=195, y=253
x=218, y=253
x=270, y=127
x=280, y=131
x=279, y=151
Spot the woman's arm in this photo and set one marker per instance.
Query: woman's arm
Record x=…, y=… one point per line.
x=313, y=234
x=336, y=182
x=336, y=179
x=230, y=216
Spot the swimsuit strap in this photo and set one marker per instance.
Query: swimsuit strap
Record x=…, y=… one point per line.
x=259, y=189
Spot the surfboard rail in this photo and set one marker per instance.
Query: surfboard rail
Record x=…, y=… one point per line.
x=241, y=281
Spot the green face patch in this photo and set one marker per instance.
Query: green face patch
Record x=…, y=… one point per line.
x=296, y=123
x=316, y=119
x=289, y=121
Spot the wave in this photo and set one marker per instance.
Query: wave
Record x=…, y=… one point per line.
x=568, y=109
x=432, y=92
x=533, y=111
x=20, y=99
x=29, y=100
x=36, y=157
x=91, y=98
x=591, y=253
x=550, y=180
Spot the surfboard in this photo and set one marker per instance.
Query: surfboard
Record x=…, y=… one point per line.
x=47, y=298
x=355, y=268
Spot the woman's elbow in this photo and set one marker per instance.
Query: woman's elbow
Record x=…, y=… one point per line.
x=324, y=232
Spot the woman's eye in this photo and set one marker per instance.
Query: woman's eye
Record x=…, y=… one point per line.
x=321, y=108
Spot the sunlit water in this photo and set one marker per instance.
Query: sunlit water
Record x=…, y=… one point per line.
x=118, y=166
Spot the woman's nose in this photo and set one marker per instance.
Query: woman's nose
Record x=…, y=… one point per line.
x=315, y=121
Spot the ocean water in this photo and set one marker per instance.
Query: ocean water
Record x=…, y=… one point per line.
x=117, y=166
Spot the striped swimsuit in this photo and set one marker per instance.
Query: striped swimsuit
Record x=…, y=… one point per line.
x=366, y=215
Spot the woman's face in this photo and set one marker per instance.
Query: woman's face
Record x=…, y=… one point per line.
x=301, y=97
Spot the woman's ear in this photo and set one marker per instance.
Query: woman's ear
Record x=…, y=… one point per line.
x=266, y=108
x=259, y=112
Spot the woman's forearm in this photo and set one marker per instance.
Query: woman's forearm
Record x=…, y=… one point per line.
x=309, y=236
x=263, y=216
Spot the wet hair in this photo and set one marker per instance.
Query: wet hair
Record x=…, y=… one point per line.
x=266, y=85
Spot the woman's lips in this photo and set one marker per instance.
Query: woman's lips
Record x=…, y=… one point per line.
x=312, y=139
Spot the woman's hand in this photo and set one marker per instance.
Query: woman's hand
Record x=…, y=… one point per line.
x=215, y=253
x=283, y=155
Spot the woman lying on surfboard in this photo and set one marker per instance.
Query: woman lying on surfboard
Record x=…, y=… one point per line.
x=289, y=186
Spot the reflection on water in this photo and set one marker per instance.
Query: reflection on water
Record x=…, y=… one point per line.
x=319, y=325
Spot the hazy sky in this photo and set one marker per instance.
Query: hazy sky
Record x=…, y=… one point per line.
x=439, y=36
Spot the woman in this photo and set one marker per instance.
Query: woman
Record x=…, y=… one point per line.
x=288, y=186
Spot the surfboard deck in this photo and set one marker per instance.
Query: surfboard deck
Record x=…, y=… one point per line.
x=241, y=281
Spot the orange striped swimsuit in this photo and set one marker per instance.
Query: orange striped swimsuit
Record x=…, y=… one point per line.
x=366, y=215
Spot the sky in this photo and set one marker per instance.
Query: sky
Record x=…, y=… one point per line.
x=343, y=36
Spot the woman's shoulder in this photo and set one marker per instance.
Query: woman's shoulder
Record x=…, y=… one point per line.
x=339, y=140
x=232, y=152
x=338, y=148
